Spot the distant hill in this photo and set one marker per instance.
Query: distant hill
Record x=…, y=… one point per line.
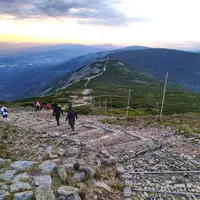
x=183, y=67
x=29, y=73
x=67, y=50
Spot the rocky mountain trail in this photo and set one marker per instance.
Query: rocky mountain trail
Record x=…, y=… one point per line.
x=101, y=161
x=85, y=100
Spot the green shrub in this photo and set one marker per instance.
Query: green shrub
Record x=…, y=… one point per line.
x=155, y=112
x=97, y=175
x=10, y=197
x=117, y=187
x=185, y=130
x=83, y=110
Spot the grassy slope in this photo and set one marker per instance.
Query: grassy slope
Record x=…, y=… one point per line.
x=146, y=91
x=115, y=83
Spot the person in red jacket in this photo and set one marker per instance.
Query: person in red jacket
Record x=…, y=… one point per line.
x=48, y=106
x=37, y=106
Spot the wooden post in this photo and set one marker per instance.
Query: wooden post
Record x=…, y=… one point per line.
x=129, y=97
x=163, y=100
x=91, y=102
x=111, y=105
x=106, y=105
x=100, y=103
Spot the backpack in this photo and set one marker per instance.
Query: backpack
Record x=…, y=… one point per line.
x=57, y=109
x=37, y=104
x=5, y=110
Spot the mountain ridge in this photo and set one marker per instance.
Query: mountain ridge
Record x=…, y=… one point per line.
x=183, y=67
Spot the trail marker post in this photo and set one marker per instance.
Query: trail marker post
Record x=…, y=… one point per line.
x=100, y=103
x=91, y=102
x=111, y=105
x=163, y=100
x=129, y=98
x=106, y=105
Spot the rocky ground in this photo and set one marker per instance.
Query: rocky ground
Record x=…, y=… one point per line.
x=40, y=160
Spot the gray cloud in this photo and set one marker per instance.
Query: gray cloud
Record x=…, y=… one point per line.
x=102, y=12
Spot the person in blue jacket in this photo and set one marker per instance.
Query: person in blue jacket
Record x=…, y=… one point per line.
x=4, y=113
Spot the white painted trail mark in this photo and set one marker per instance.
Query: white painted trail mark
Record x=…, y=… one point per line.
x=104, y=69
x=120, y=63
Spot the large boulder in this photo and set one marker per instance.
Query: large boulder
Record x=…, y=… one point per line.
x=43, y=194
x=28, y=195
x=47, y=167
x=72, y=152
x=2, y=160
x=62, y=173
x=69, y=192
x=103, y=185
x=5, y=162
x=44, y=182
x=3, y=194
x=79, y=176
x=4, y=187
x=21, y=177
x=120, y=169
x=22, y=165
x=8, y=175
x=19, y=186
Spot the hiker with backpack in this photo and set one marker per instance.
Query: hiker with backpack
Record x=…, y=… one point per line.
x=38, y=106
x=56, y=112
x=4, y=112
x=71, y=117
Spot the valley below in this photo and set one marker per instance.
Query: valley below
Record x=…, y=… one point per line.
x=108, y=158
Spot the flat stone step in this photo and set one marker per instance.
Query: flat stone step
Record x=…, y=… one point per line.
x=44, y=194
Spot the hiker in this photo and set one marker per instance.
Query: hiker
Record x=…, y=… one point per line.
x=52, y=105
x=48, y=106
x=56, y=112
x=37, y=106
x=4, y=112
x=71, y=115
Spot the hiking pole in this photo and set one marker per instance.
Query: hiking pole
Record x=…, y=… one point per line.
x=129, y=97
x=161, y=111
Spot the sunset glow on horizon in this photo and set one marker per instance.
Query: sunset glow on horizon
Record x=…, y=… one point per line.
x=125, y=22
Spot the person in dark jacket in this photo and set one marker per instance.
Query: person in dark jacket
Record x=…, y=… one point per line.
x=71, y=116
x=56, y=112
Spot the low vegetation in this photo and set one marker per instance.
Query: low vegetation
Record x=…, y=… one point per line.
x=184, y=124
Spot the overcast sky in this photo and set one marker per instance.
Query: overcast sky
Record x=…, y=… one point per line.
x=163, y=23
